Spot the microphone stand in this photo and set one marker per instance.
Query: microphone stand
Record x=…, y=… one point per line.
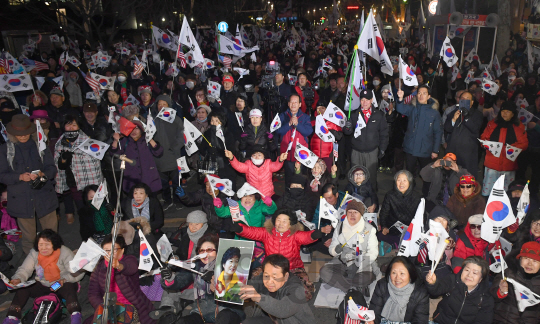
x=109, y=299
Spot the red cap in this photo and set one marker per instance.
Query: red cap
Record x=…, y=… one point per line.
x=530, y=250
x=228, y=77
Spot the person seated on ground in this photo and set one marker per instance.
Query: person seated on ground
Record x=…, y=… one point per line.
x=141, y=203
x=49, y=259
x=256, y=133
x=124, y=281
x=466, y=200
x=187, y=243
x=335, y=198
x=135, y=147
x=205, y=198
x=295, y=197
x=401, y=296
x=276, y=295
x=203, y=289
x=442, y=178
x=95, y=223
x=252, y=207
x=399, y=205
x=282, y=233
x=259, y=169
x=526, y=272
x=470, y=243
x=351, y=235
x=443, y=216
x=466, y=297
x=360, y=186
x=318, y=177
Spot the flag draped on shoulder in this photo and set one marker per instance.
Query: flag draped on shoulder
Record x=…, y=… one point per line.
x=371, y=43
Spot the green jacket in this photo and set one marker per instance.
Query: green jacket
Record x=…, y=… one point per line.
x=255, y=217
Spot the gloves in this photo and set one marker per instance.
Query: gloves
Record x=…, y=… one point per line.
x=218, y=203
x=236, y=228
x=207, y=276
x=317, y=234
x=180, y=192
x=348, y=124
x=381, y=154
x=514, y=227
x=244, y=135
x=267, y=201
x=270, y=135
x=338, y=249
x=166, y=273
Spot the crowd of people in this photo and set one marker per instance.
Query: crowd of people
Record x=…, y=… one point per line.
x=427, y=136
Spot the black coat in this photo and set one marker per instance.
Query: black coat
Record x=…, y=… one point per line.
x=261, y=138
x=297, y=202
x=201, y=197
x=463, y=137
x=374, y=135
x=182, y=242
x=417, y=307
x=398, y=207
x=58, y=115
x=101, y=130
x=457, y=303
x=156, y=213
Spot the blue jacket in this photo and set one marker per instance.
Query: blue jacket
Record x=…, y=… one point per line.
x=304, y=125
x=424, y=129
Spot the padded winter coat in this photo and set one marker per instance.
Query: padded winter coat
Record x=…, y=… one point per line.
x=259, y=177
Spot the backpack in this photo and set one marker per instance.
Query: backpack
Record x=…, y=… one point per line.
x=46, y=309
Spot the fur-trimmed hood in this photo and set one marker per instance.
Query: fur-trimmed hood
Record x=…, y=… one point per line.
x=294, y=228
x=42, y=95
x=431, y=101
x=142, y=223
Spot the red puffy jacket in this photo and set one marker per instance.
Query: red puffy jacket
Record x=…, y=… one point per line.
x=315, y=99
x=321, y=148
x=501, y=163
x=467, y=245
x=287, y=244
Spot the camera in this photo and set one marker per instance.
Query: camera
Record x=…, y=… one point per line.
x=309, y=96
x=445, y=163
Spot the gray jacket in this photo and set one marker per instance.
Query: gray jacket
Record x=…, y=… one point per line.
x=171, y=137
x=30, y=264
x=435, y=177
x=288, y=306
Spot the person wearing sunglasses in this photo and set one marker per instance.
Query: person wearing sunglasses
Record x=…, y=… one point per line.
x=466, y=200
x=186, y=242
x=470, y=243
x=525, y=269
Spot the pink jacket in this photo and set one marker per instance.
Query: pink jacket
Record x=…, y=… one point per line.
x=259, y=177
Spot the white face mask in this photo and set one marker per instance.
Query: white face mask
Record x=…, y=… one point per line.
x=121, y=78
x=511, y=78
x=257, y=161
x=376, y=82
x=190, y=84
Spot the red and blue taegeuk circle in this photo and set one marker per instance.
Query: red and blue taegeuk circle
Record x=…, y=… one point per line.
x=303, y=154
x=14, y=82
x=497, y=210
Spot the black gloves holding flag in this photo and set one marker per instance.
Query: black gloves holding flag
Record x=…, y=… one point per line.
x=317, y=234
x=236, y=228
x=166, y=273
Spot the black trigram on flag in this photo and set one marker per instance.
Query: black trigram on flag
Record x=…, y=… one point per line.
x=402, y=249
x=498, y=192
x=497, y=229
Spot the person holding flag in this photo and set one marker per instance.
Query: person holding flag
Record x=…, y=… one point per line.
x=465, y=295
x=368, y=146
x=424, y=130
x=523, y=268
x=257, y=133
x=355, y=249
x=508, y=130
x=322, y=148
x=295, y=128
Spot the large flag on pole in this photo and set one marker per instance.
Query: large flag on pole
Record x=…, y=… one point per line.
x=498, y=213
x=371, y=43
x=187, y=38
x=406, y=74
x=410, y=244
x=448, y=53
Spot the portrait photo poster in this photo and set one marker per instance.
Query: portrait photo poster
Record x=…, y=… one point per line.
x=233, y=261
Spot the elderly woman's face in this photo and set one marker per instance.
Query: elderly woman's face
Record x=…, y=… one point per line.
x=535, y=228
x=399, y=275
x=402, y=183
x=202, y=114
x=71, y=127
x=466, y=189
x=248, y=200
x=316, y=169
x=113, y=97
x=256, y=121
x=45, y=247
x=283, y=223
x=194, y=227
x=207, y=248
x=139, y=195
x=471, y=275
x=118, y=252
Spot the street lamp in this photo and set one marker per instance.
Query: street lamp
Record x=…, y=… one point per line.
x=163, y=19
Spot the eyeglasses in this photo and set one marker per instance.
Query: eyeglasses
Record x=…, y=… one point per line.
x=475, y=226
x=359, y=175
x=537, y=224
x=465, y=186
x=206, y=251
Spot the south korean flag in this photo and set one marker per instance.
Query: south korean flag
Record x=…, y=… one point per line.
x=322, y=130
x=94, y=148
x=305, y=156
x=167, y=114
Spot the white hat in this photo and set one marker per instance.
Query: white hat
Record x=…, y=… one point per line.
x=255, y=113
x=246, y=190
x=476, y=219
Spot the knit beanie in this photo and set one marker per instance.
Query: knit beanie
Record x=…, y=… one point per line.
x=356, y=205
x=165, y=98
x=197, y=216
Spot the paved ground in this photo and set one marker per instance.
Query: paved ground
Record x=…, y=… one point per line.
x=174, y=217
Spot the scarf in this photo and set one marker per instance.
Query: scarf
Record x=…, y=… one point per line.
x=510, y=132
x=51, y=271
x=194, y=237
x=142, y=209
x=316, y=177
x=102, y=219
x=367, y=114
x=396, y=306
x=69, y=138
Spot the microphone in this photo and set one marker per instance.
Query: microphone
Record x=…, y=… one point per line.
x=125, y=159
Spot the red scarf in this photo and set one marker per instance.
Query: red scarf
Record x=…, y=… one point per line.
x=367, y=114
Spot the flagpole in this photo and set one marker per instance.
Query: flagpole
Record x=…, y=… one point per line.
x=319, y=227
x=502, y=263
x=399, y=71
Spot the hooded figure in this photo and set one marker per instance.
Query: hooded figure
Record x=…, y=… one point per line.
x=362, y=187
x=74, y=90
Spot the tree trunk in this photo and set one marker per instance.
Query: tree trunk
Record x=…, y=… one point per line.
x=504, y=27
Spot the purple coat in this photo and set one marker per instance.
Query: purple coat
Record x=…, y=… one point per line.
x=128, y=282
x=145, y=169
